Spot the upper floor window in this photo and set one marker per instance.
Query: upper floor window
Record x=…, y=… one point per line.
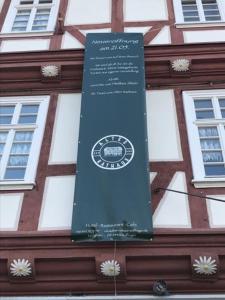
x=205, y=118
x=22, y=122
x=31, y=16
x=199, y=11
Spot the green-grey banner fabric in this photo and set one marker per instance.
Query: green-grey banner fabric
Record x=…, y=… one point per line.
x=112, y=191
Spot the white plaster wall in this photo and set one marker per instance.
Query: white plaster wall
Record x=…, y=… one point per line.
x=70, y=42
x=66, y=130
x=88, y=12
x=216, y=211
x=145, y=10
x=202, y=36
x=1, y=3
x=10, y=207
x=24, y=45
x=152, y=176
x=163, y=133
x=142, y=30
x=100, y=30
x=173, y=209
x=57, y=204
x=163, y=37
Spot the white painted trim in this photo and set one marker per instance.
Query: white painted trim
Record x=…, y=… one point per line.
x=200, y=24
x=26, y=34
x=209, y=182
x=16, y=185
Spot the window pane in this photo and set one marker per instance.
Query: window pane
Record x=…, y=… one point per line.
x=41, y=19
x=190, y=11
x=1, y=147
x=211, y=10
x=14, y=173
x=203, y=103
x=223, y=113
x=211, y=156
x=222, y=102
x=29, y=109
x=207, y=144
x=205, y=114
x=20, y=148
x=214, y=170
x=3, y=136
x=27, y=119
x=207, y=131
x=45, y=1
x=23, y=136
x=22, y=2
x=18, y=160
x=19, y=25
x=7, y=110
x=5, y=120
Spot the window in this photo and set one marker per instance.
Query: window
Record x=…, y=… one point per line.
x=31, y=16
x=205, y=118
x=22, y=122
x=199, y=11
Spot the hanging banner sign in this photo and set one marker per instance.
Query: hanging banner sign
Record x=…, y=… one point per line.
x=112, y=191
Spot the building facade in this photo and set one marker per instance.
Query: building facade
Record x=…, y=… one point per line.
x=41, y=62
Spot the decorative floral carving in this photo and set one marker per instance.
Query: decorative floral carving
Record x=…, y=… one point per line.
x=50, y=71
x=110, y=268
x=20, y=267
x=181, y=65
x=205, y=265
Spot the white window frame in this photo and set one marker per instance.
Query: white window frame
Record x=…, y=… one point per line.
x=29, y=179
x=202, y=23
x=200, y=180
x=15, y=5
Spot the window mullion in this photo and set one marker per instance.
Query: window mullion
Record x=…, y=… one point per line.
x=16, y=113
x=31, y=19
x=216, y=107
x=51, y=16
x=221, y=7
x=200, y=10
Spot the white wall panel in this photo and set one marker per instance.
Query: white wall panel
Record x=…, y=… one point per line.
x=100, y=30
x=66, y=130
x=142, y=30
x=1, y=4
x=70, y=42
x=202, y=36
x=24, y=45
x=10, y=207
x=88, y=12
x=152, y=176
x=163, y=37
x=216, y=211
x=57, y=204
x=163, y=133
x=145, y=10
x=173, y=209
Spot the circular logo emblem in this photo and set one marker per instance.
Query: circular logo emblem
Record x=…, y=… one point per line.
x=112, y=152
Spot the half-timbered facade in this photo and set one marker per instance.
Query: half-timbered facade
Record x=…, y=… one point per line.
x=41, y=62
